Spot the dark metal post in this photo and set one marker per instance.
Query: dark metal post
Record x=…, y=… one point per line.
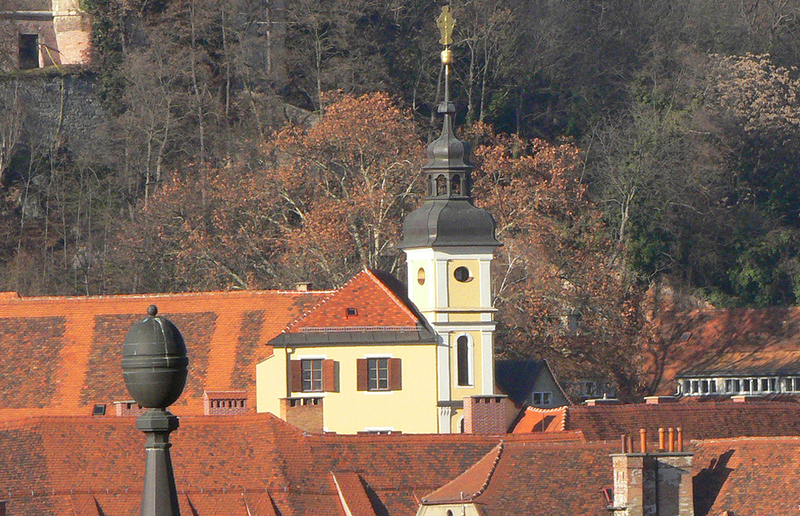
x=154, y=365
x=160, y=497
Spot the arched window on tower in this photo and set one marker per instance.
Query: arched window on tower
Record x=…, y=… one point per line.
x=463, y=359
x=455, y=188
x=441, y=185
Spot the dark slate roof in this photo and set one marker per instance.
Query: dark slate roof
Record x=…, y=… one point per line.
x=515, y=378
x=448, y=222
x=447, y=217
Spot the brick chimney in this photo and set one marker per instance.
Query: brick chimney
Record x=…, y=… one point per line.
x=224, y=403
x=656, y=483
x=127, y=408
x=658, y=400
x=487, y=414
x=304, y=413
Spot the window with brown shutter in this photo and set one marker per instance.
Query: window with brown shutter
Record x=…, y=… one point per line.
x=313, y=375
x=378, y=374
x=329, y=376
x=296, y=372
x=395, y=374
x=361, y=374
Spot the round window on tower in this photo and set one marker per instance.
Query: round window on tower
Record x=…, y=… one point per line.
x=462, y=274
x=421, y=276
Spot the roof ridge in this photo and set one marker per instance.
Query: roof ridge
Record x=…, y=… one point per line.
x=485, y=485
x=314, y=308
x=392, y=294
x=20, y=298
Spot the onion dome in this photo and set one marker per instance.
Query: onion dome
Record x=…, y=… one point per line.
x=154, y=361
x=448, y=217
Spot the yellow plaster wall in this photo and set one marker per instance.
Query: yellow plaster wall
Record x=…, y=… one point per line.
x=459, y=391
x=464, y=317
x=271, y=382
x=464, y=294
x=411, y=409
x=420, y=293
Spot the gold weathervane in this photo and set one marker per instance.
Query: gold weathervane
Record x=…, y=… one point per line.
x=446, y=22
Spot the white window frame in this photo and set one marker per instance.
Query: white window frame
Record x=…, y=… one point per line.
x=470, y=361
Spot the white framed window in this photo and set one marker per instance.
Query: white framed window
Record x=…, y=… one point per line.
x=543, y=399
x=464, y=361
x=312, y=375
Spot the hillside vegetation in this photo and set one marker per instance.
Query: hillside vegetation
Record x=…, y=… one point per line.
x=621, y=144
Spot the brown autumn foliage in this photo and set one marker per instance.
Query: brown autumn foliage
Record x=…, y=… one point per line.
x=560, y=289
x=317, y=205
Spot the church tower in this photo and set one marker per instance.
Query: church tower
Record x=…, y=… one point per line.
x=449, y=245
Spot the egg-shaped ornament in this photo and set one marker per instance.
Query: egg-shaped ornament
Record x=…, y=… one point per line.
x=154, y=361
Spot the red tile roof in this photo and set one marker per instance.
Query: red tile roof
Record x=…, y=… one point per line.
x=370, y=300
x=70, y=347
x=470, y=484
x=257, y=465
x=746, y=476
x=541, y=420
x=751, y=341
x=225, y=465
x=742, y=476
x=352, y=494
x=709, y=420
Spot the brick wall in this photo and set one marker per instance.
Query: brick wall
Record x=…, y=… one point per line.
x=128, y=408
x=485, y=415
x=304, y=413
x=224, y=403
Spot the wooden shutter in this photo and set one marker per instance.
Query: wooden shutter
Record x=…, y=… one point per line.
x=296, y=372
x=395, y=374
x=362, y=377
x=329, y=376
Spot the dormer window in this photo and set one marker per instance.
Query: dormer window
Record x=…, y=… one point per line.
x=351, y=312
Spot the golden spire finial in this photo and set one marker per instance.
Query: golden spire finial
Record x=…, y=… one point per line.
x=446, y=22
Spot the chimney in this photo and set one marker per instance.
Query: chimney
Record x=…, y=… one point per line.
x=128, y=408
x=650, y=484
x=304, y=413
x=657, y=400
x=746, y=398
x=302, y=286
x=487, y=414
x=224, y=403
x=601, y=401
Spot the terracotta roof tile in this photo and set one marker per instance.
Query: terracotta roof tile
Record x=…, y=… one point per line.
x=470, y=484
x=746, y=476
x=759, y=340
x=367, y=301
x=710, y=420
x=71, y=345
x=353, y=494
x=536, y=419
x=30, y=360
x=257, y=463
